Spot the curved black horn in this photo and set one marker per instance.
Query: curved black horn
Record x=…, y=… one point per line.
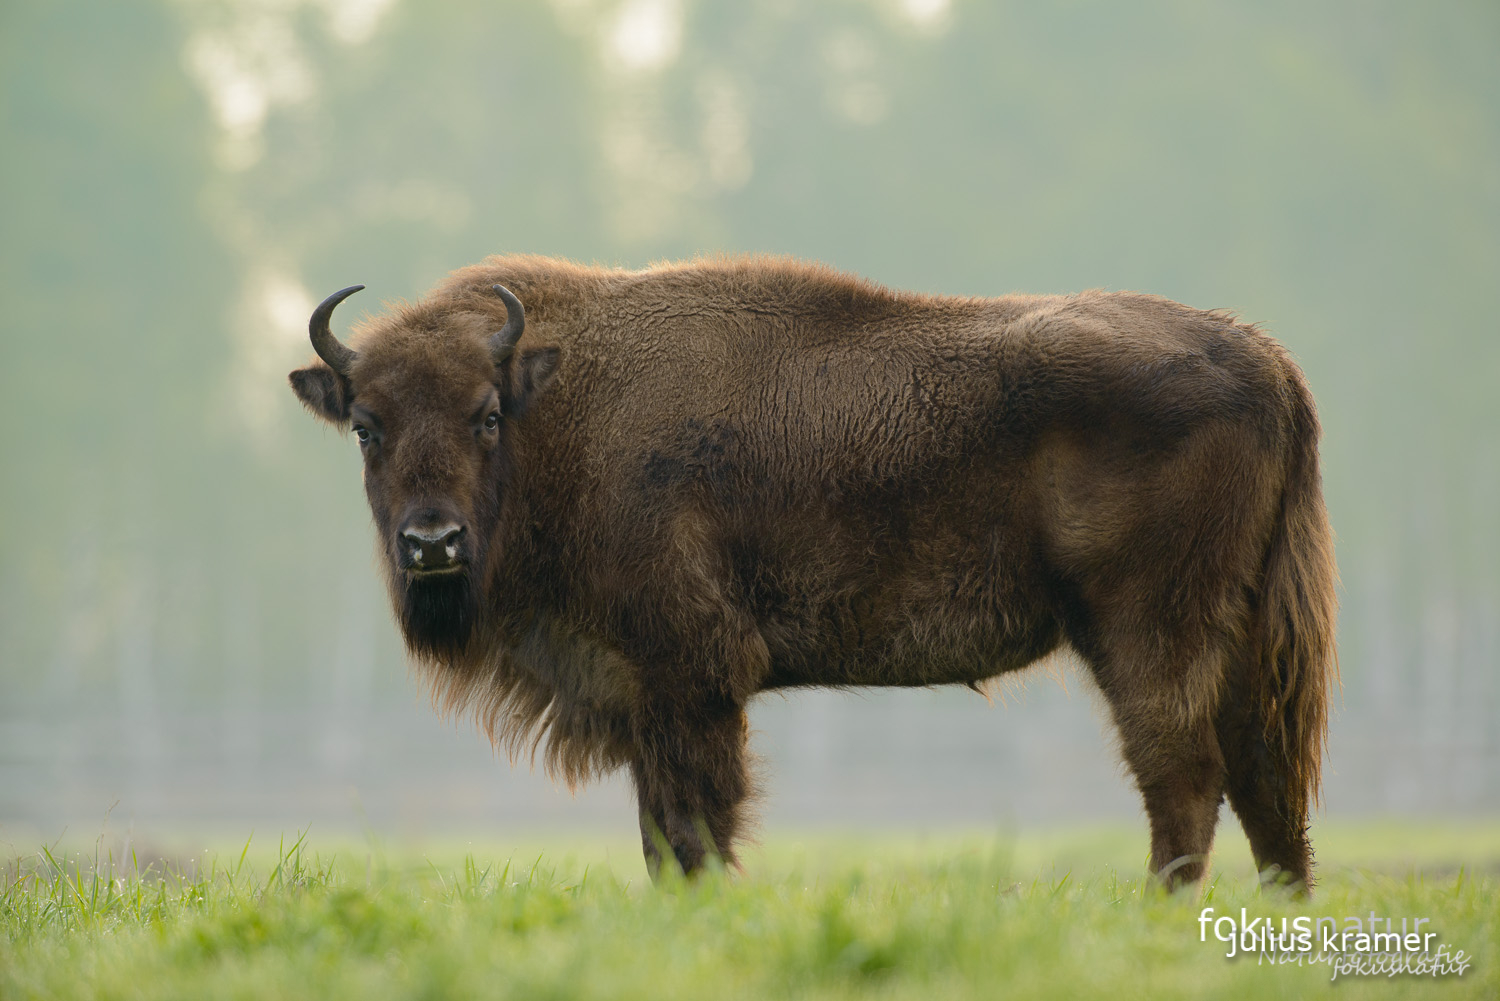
x=503, y=341
x=338, y=357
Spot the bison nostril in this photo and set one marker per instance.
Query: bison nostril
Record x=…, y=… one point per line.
x=450, y=543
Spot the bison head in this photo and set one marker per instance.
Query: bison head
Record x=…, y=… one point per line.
x=430, y=395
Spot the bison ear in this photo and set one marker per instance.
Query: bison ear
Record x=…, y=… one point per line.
x=530, y=375
x=324, y=392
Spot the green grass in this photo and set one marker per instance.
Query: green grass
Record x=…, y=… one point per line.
x=820, y=917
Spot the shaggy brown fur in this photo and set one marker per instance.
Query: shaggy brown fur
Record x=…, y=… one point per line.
x=716, y=478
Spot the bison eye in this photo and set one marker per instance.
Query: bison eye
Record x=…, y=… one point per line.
x=492, y=421
x=362, y=433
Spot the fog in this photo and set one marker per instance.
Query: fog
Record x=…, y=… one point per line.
x=192, y=629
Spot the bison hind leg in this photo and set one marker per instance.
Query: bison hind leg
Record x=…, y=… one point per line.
x=1260, y=794
x=1165, y=720
x=1179, y=771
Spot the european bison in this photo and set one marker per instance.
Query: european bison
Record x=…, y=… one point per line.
x=611, y=523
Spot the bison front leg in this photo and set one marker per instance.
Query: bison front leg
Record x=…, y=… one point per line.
x=690, y=780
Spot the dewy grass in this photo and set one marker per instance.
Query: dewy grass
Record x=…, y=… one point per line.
x=967, y=924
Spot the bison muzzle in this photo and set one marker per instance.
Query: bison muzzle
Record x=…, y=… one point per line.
x=613, y=516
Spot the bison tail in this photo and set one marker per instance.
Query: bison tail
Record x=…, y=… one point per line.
x=1296, y=663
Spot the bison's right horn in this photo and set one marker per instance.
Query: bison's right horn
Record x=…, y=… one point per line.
x=503, y=341
x=338, y=357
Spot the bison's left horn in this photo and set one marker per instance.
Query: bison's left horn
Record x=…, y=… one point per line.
x=338, y=357
x=503, y=341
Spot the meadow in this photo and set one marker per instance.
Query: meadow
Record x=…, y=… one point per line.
x=1061, y=914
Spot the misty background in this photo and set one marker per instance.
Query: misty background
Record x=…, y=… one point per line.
x=192, y=629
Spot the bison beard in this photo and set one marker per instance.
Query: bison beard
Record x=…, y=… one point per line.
x=438, y=614
x=715, y=479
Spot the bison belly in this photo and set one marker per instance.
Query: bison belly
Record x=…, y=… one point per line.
x=955, y=611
